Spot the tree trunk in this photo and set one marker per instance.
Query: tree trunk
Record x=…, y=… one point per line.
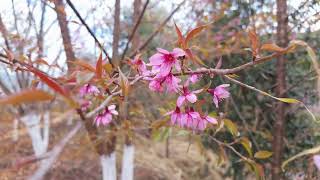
x=136, y=14
x=116, y=34
x=62, y=19
x=279, y=125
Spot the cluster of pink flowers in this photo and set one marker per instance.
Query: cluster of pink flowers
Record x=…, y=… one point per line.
x=87, y=91
x=105, y=117
x=164, y=65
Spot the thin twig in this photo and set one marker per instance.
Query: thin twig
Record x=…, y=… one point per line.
x=89, y=30
x=135, y=28
x=157, y=30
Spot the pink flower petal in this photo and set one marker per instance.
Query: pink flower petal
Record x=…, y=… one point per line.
x=191, y=98
x=163, y=51
x=180, y=100
x=216, y=101
x=316, y=160
x=177, y=52
x=211, y=120
x=156, y=60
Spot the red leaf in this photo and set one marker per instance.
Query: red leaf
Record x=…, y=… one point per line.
x=99, y=66
x=26, y=96
x=194, y=32
x=181, y=39
x=255, y=42
x=84, y=65
x=50, y=82
x=41, y=61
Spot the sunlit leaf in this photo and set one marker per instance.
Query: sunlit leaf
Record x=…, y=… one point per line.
x=255, y=42
x=272, y=47
x=26, y=96
x=263, y=154
x=99, y=67
x=288, y=100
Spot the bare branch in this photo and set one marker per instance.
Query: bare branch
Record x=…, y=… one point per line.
x=135, y=29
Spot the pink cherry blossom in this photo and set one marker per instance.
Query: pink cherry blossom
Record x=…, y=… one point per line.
x=210, y=119
x=193, y=78
x=177, y=117
x=170, y=82
x=140, y=65
x=192, y=118
x=219, y=93
x=163, y=61
x=85, y=105
x=187, y=95
x=316, y=161
x=88, y=89
x=106, y=117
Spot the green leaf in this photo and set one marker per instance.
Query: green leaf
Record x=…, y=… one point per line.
x=247, y=145
x=161, y=134
x=313, y=150
x=263, y=154
x=231, y=127
x=289, y=100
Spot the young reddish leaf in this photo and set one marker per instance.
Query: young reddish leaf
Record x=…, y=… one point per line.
x=99, y=67
x=255, y=42
x=50, y=82
x=262, y=154
x=194, y=32
x=84, y=65
x=9, y=54
x=41, y=61
x=26, y=96
x=124, y=83
x=181, y=39
x=272, y=47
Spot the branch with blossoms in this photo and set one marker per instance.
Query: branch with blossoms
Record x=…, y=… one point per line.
x=98, y=90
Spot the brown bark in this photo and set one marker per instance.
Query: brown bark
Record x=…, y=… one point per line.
x=41, y=34
x=116, y=34
x=136, y=14
x=62, y=19
x=279, y=125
